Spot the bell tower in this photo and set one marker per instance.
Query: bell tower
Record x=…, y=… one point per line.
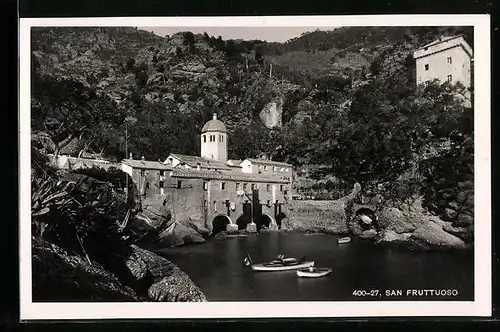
x=214, y=140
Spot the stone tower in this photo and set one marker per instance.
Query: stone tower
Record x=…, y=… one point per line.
x=214, y=140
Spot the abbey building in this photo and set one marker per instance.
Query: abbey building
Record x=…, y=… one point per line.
x=212, y=190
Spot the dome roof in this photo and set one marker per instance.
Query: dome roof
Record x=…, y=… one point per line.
x=214, y=125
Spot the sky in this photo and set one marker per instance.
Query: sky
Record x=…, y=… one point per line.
x=275, y=34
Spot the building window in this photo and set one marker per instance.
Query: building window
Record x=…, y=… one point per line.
x=244, y=186
x=448, y=60
x=268, y=203
x=205, y=204
x=215, y=206
x=205, y=185
x=161, y=184
x=252, y=186
x=449, y=78
x=142, y=172
x=286, y=169
x=282, y=169
x=237, y=186
x=265, y=167
x=204, y=138
x=268, y=187
x=426, y=66
x=281, y=187
x=274, y=168
x=162, y=172
x=223, y=186
x=179, y=184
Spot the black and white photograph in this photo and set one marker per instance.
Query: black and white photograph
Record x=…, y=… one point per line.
x=248, y=166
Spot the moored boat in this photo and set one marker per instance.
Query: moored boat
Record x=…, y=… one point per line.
x=281, y=263
x=272, y=266
x=313, y=272
x=342, y=240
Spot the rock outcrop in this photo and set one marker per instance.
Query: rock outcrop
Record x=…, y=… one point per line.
x=433, y=236
x=169, y=283
x=59, y=276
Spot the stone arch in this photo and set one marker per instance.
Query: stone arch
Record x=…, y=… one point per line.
x=242, y=221
x=279, y=219
x=369, y=211
x=220, y=223
x=264, y=220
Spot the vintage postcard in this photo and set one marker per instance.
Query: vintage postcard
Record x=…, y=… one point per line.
x=236, y=167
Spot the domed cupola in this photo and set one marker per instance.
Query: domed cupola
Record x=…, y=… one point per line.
x=214, y=125
x=214, y=140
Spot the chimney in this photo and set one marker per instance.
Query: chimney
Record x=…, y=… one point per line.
x=215, y=116
x=130, y=156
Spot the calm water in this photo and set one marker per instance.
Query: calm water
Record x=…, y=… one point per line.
x=217, y=268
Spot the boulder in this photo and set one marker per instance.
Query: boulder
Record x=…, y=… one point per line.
x=157, y=214
x=368, y=234
x=170, y=284
x=393, y=219
x=463, y=220
x=187, y=234
x=251, y=228
x=59, y=276
x=432, y=236
x=464, y=233
x=437, y=220
x=232, y=229
x=391, y=237
x=449, y=214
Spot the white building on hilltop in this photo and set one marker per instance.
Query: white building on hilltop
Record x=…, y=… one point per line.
x=448, y=59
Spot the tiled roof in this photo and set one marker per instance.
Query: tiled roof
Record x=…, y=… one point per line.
x=268, y=162
x=193, y=161
x=440, y=40
x=146, y=164
x=231, y=176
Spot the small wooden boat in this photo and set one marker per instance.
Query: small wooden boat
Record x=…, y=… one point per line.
x=313, y=272
x=281, y=266
x=342, y=240
x=281, y=263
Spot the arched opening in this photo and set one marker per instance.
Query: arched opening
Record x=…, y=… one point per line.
x=219, y=224
x=279, y=218
x=263, y=220
x=243, y=221
x=366, y=223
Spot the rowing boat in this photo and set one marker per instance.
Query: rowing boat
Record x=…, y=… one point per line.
x=313, y=272
x=279, y=266
x=344, y=240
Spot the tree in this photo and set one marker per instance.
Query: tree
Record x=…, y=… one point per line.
x=67, y=109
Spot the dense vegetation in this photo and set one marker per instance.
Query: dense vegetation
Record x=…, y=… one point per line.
x=349, y=99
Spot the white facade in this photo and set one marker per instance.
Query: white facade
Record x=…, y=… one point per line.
x=446, y=59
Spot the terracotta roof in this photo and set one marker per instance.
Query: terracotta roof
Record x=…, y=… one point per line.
x=268, y=162
x=214, y=125
x=193, y=161
x=231, y=176
x=146, y=164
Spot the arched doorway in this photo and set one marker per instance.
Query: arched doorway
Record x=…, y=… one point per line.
x=279, y=218
x=219, y=224
x=243, y=221
x=263, y=220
